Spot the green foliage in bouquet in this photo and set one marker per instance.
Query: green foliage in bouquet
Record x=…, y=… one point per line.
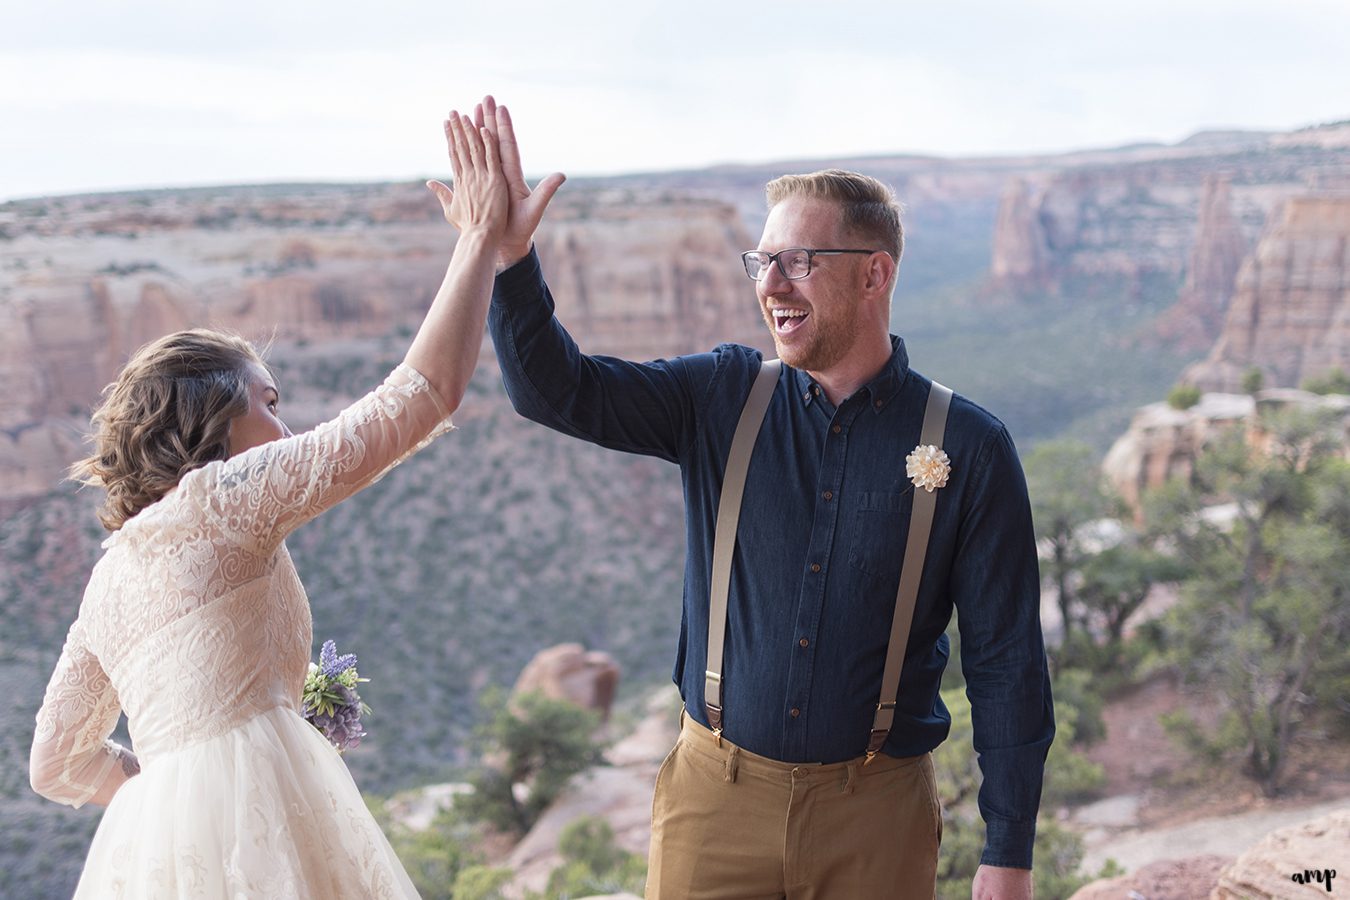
x=330, y=701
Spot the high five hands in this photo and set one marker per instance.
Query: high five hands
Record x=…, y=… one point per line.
x=479, y=201
x=525, y=207
x=484, y=154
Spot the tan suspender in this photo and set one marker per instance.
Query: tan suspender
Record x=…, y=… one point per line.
x=724, y=538
x=724, y=546
x=911, y=572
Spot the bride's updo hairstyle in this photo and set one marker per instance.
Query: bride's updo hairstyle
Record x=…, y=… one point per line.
x=167, y=413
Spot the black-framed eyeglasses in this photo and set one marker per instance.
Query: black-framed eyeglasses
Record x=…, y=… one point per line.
x=793, y=263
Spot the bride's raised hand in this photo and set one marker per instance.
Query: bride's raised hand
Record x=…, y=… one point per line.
x=446, y=347
x=479, y=201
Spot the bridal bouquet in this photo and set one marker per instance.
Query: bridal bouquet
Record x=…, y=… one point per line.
x=330, y=702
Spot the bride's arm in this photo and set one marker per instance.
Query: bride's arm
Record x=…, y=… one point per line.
x=446, y=347
x=266, y=492
x=72, y=760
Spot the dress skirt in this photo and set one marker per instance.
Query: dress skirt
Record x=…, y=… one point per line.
x=265, y=810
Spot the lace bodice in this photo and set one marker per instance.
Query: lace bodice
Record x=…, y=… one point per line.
x=194, y=620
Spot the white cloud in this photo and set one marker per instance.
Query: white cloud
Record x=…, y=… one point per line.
x=101, y=95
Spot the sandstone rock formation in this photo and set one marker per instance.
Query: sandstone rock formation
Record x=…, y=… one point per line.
x=568, y=672
x=1290, y=313
x=1292, y=863
x=1220, y=246
x=1163, y=443
x=1135, y=222
x=651, y=279
x=1128, y=227
x=1183, y=879
x=1021, y=255
x=86, y=280
x=1336, y=134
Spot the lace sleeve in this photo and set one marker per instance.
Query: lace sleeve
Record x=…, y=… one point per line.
x=72, y=759
x=265, y=493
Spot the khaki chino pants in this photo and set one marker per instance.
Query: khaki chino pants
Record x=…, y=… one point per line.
x=730, y=825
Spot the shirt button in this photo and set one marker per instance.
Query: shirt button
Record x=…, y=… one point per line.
x=806, y=396
x=878, y=404
x=803, y=643
x=795, y=712
x=828, y=495
x=836, y=429
x=816, y=390
x=815, y=567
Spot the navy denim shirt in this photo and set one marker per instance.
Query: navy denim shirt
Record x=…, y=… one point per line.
x=822, y=532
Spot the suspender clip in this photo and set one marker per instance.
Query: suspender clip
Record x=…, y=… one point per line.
x=714, y=719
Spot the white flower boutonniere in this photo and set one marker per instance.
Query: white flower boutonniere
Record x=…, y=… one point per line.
x=928, y=467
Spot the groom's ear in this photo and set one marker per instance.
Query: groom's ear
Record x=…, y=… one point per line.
x=881, y=268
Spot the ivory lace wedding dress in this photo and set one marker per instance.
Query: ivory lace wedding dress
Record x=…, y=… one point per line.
x=195, y=624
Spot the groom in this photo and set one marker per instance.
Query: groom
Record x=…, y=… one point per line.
x=769, y=791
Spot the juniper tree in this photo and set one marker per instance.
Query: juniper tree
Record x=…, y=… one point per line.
x=1265, y=612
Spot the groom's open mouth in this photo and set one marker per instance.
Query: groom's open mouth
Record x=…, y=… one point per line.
x=786, y=321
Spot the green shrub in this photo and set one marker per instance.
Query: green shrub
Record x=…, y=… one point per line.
x=540, y=743
x=1183, y=396
x=434, y=856
x=593, y=863
x=480, y=883
x=1334, y=381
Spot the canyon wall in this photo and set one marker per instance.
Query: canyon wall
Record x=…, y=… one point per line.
x=1194, y=322
x=645, y=266
x=1158, y=215
x=86, y=280
x=1290, y=313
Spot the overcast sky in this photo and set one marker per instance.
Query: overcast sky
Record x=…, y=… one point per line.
x=148, y=93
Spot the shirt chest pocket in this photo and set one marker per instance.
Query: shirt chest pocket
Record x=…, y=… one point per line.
x=877, y=527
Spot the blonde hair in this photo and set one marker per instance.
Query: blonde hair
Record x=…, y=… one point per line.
x=867, y=207
x=168, y=413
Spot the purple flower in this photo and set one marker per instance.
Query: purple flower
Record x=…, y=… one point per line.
x=333, y=665
x=330, y=701
x=342, y=727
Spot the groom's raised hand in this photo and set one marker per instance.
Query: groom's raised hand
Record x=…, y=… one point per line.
x=525, y=207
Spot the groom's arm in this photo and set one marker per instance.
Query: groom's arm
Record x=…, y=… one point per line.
x=647, y=408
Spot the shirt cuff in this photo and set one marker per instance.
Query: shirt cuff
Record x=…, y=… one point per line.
x=1008, y=843
x=518, y=280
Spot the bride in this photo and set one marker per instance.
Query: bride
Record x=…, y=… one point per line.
x=194, y=622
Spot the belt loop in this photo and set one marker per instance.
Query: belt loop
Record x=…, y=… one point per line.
x=733, y=764
x=852, y=774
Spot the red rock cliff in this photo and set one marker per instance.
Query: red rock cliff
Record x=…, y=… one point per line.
x=86, y=280
x=1290, y=313
x=1220, y=247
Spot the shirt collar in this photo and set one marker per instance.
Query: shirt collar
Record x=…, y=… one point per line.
x=879, y=391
